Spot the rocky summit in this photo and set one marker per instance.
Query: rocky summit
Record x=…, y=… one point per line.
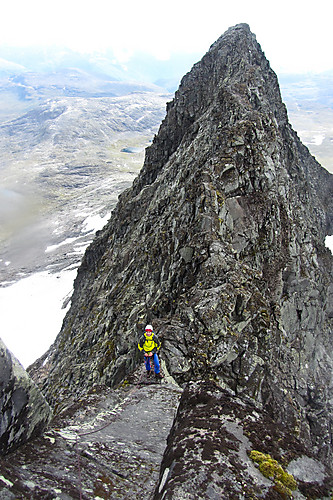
x=220, y=244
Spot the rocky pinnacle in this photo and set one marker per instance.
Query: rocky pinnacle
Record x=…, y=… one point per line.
x=220, y=244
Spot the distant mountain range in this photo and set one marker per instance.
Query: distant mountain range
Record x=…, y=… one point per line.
x=72, y=123
x=31, y=74
x=102, y=66
x=70, y=142
x=309, y=99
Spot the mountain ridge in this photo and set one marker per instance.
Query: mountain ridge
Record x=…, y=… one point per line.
x=220, y=244
x=215, y=203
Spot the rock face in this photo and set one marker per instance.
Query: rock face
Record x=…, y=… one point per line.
x=24, y=412
x=107, y=445
x=220, y=245
x=215, y=439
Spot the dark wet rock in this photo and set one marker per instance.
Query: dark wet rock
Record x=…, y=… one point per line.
x=24, y=412
x=209, y=452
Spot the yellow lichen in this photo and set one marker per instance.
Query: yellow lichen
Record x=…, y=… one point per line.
x=270, y=468
x=282, y=489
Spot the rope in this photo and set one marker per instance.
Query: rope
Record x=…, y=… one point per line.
x=78, y=435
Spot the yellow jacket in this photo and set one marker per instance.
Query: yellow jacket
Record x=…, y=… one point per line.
x=149, y=343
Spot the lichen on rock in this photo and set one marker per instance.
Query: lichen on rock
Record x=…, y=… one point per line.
x=270, y=468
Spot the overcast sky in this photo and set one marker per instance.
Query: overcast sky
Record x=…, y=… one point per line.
x=295, y=35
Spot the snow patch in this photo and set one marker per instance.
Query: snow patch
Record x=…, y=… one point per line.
x=31, y=313
x=91, y=224
x=95, y=222
x=6, y=481
x=67, y=241
x=329, y=242
x=46, y=361
x=164, y=479
x=80, y=249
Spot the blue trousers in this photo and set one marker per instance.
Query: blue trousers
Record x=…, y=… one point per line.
x=156, y=363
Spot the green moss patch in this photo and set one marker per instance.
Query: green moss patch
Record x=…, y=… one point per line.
x=284, y=482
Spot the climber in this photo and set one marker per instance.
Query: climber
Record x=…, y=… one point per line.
x=150, y=344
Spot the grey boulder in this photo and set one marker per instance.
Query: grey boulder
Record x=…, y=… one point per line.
x=24, y=412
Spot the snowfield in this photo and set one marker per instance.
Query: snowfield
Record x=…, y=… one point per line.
x=32, y=313
x=33, y=308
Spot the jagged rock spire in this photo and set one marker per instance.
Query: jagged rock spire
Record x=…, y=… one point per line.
x=234, y=68
x=219, y=244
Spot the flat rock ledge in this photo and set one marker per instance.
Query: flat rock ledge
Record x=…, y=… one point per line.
x=107, y=444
